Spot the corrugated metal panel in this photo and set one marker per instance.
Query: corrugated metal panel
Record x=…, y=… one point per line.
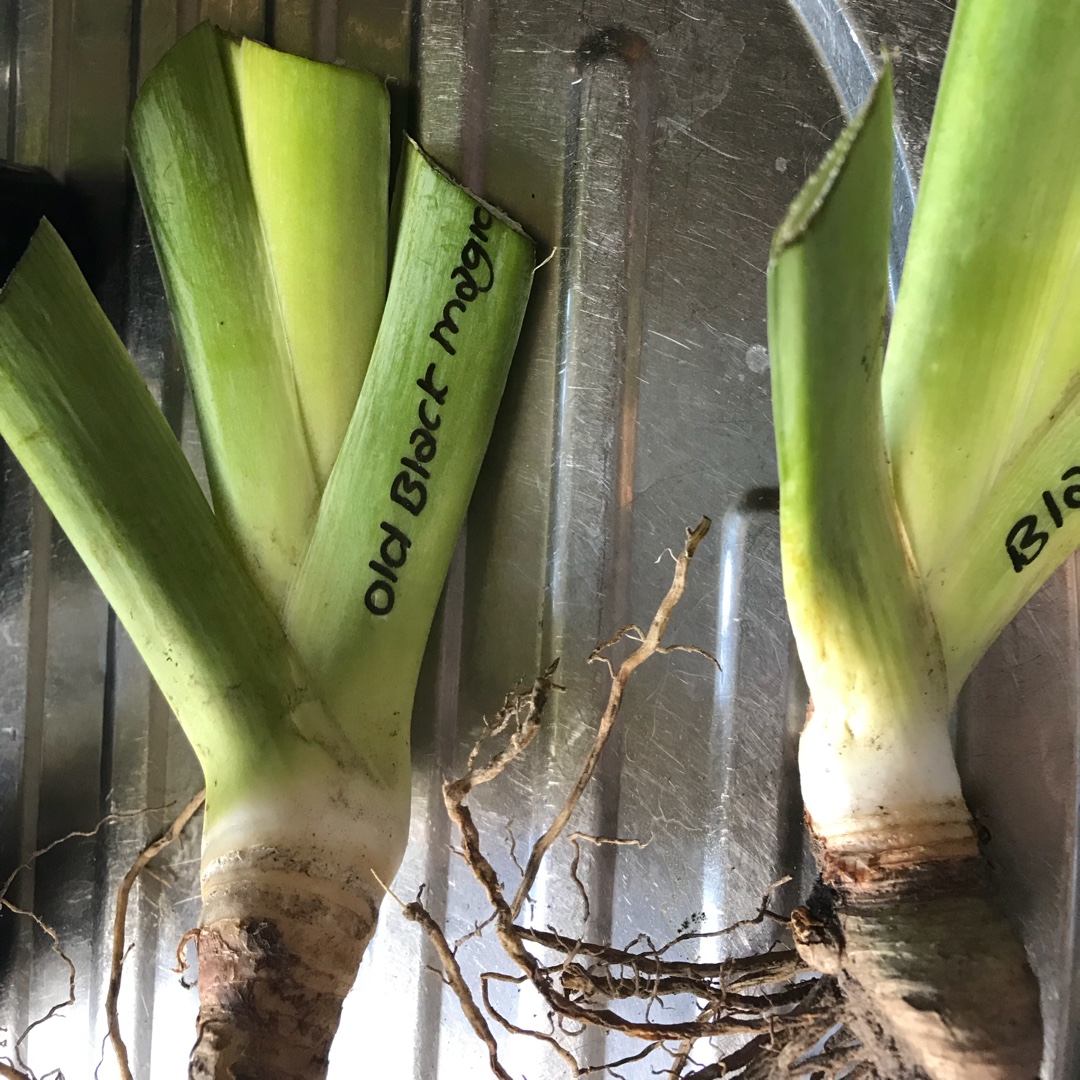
x=652, y=147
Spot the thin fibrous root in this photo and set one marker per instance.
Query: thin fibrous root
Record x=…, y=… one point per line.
x=650, y=643
x=19, y=1070
x=123, y=895
x=773, y=998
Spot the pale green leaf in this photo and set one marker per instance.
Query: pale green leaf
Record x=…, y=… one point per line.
x=865, y=637
x=317, y=139
x=986, y=338
x=188, y=157
x=391, y=513
x=84, y=426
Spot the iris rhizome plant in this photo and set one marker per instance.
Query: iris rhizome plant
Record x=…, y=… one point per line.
x=927, y=490
x=347, y=360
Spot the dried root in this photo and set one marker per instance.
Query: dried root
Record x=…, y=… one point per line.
x=119, y=952
x=16, y=1068
x=787, y=1020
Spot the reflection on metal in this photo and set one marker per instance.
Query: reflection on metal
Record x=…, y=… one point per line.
x=848, y=60
x=652, y=149
x=602, y=270
x=844, y=55
x=760, y=807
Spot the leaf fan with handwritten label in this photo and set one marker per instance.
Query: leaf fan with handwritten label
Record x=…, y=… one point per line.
x=981, y=388
x=927, y=489
x=343, y=422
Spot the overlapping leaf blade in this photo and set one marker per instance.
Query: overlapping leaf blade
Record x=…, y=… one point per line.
x=393, y=507
x=985, y=346
x=853, y=594
x=76, y=412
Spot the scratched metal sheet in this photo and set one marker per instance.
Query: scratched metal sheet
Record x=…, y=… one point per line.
x=652, y=148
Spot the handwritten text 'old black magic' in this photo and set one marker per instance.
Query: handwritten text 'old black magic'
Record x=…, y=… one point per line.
x=473, y=276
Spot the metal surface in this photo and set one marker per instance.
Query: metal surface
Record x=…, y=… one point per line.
x=653, y=147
